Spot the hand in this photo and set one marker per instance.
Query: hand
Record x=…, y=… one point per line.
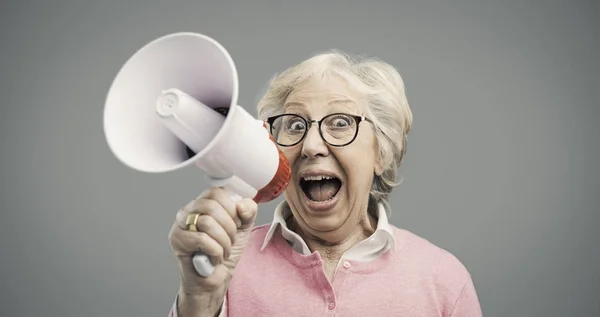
x=223, y=231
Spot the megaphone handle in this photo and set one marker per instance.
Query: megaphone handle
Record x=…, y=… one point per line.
x=200, y=260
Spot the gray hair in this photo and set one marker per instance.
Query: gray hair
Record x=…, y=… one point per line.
x=385, y=93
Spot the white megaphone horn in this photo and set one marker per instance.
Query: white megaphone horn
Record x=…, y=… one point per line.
x=174, y=103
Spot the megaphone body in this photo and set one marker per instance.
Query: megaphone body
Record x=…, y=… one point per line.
x=174, y=104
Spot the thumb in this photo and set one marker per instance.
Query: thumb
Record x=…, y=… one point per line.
x=247, y=210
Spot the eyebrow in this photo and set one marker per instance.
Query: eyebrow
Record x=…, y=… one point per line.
x=331, y=103
x=341, y=101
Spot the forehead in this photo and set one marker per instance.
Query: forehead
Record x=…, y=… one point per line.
x=321, y=95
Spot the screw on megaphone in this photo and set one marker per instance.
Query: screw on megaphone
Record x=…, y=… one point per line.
x=193, y=122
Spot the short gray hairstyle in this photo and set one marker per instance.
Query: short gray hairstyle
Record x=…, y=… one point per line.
x=384, y=90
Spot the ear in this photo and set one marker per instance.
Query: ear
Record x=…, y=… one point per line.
x=378, y=165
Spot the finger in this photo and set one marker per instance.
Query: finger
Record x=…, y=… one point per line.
x=211, y=248
x=209, y=207
x=189, y=243
x=247, y=210
x=210, y=226
x=181, y=218
x=222, y=197
x=215, y=210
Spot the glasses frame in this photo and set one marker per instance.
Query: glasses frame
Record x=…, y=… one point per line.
x=309, y=123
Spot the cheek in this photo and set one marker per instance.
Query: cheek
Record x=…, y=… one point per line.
x=291, y=154
x=360, y=177
x=359, y=168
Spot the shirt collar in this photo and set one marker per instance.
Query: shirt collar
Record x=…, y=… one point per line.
x=380, y=241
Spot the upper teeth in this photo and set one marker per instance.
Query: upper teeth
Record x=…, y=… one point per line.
x=316, y=177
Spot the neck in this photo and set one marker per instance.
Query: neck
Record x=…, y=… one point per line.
x=332, y=245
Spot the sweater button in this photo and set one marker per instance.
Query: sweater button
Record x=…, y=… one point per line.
x=347, y=264
x=331, y=305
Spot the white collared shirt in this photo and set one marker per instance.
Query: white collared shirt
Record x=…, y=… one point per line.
x=379, y=242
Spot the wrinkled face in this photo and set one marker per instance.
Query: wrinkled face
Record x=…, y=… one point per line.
x=330, y=185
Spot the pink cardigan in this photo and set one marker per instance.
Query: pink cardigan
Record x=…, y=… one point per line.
x=412, y=278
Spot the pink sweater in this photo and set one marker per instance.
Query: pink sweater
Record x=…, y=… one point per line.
x=415, y=279
x=278, y=276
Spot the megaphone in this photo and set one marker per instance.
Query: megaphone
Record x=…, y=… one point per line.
x=174, y=104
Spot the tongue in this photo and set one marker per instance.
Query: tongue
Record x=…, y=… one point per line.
x=322, y=190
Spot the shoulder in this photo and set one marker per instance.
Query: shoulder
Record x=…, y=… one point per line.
x=429, y=261
x=439, y=271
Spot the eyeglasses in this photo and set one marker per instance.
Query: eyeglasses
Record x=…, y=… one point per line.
x=336, y=129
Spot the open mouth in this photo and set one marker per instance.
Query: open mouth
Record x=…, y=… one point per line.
x=320, y=188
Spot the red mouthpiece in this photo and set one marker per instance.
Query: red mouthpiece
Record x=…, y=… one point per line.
x=279, y=182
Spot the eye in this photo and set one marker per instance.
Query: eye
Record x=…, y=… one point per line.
x=339, y=121
x=295, y=125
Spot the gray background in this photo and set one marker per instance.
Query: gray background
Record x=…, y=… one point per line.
x=502, y=166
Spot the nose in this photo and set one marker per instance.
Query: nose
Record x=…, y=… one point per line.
x=313, y=144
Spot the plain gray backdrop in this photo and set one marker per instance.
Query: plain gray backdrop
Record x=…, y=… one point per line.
x=501, y=169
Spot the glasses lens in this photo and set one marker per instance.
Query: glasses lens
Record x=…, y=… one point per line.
x=288, y=129
x=338, y=129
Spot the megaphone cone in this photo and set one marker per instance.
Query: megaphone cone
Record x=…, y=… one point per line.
x=174, y=103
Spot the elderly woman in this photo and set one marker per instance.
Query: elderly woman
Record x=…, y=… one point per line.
x=342, y=123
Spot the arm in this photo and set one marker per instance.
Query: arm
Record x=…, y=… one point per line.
x=467, y=304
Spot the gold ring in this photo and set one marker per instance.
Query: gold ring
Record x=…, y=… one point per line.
x=191, y=221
